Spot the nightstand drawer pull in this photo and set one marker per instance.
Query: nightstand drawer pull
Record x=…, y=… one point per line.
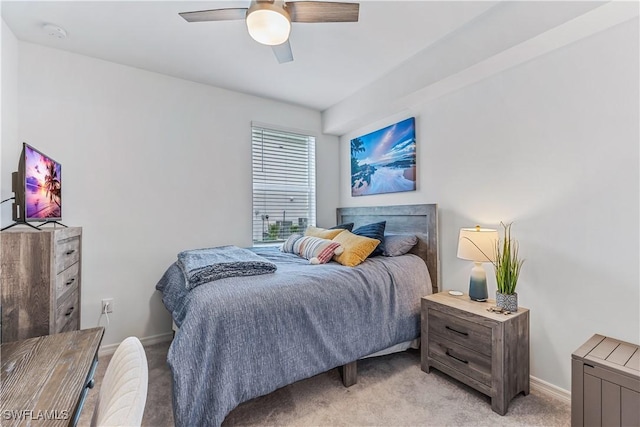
x=457, y=358
x=70, y=251
x=457, y=332
x=70, y=281
x=68, y=313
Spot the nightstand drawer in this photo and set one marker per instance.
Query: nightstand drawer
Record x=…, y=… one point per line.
x=471, y=335
x=469, y=362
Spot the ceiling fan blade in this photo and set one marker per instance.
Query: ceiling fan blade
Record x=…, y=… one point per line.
x=283, y=52
x=215, y=15
x=321, y=11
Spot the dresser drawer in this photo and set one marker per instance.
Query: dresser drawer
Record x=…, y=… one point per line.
x=67, y=312
x=460, y=331
x=67, y=281
x=67, y=253
x=469, y=362
x=73, y=324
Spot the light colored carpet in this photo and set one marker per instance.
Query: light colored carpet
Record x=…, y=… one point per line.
x=391, y=391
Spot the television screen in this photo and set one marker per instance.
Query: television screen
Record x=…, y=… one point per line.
x=42, y=186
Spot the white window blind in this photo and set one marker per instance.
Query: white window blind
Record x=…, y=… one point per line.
x=284, y=183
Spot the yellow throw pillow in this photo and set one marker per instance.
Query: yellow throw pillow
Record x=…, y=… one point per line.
x=323, y=233
x=356, y=248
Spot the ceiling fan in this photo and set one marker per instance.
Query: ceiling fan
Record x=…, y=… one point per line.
x=269, y=21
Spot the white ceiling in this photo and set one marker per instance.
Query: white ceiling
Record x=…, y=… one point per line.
x=332, y=60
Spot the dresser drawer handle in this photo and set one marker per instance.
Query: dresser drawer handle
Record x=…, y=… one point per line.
x=68, y=313
x=457, y=332
x=70, y=281
x=457, y=358
x=70, y=251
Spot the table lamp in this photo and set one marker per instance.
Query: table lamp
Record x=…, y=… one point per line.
x=477, y=245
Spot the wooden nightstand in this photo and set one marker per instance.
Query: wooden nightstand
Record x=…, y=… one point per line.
x=486, y=351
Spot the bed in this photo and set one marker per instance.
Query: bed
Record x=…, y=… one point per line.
x=244, y=337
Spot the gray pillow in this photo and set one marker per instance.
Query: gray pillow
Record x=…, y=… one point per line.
x=398, y=244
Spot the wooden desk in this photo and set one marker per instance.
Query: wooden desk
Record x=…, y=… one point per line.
x=45, y=379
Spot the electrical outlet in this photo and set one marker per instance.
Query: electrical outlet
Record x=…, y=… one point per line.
x=107, y=305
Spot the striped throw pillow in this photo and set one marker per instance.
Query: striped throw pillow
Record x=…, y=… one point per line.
x=288, y=245
x=316, y=249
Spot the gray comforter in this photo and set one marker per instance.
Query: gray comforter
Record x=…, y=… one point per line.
x=244, y=337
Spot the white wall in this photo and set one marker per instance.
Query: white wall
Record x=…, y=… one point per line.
x=152, y=165
x=553, y=145
x=9, y=111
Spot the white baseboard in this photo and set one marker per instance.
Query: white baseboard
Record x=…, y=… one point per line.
x=550, y=390
x=108, y=350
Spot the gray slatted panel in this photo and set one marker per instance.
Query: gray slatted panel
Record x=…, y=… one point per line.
x=634, y=361
x=610, y=404
x=621, y=354
x=605, y=348
x=630, y=407
x=613, y=375
x=577, y=392
x=592, y=401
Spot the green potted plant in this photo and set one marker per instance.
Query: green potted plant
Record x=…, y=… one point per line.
x=507, y=268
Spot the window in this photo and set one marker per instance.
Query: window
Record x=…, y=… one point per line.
x=284, y=183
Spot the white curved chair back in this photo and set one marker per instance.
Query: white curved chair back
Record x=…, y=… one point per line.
x=123, y=392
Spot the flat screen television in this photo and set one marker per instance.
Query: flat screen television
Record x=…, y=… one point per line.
x=37, y=187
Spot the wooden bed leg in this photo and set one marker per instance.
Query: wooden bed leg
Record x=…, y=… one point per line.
x=349, y=373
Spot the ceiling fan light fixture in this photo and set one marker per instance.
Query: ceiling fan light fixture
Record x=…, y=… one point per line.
x=268, y=24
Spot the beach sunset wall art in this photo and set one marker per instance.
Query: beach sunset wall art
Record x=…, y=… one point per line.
x=384, y=161
x=43, y=189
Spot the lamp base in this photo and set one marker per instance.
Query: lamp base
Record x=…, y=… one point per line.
x=478, y=283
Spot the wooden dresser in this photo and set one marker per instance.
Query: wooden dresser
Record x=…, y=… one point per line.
x=40, y=274
x=486, y=351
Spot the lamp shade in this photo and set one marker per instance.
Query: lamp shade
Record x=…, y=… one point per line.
x=268, y=24
x=477, y=244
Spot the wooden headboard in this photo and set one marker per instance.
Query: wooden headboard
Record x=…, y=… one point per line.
x=421, y=220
